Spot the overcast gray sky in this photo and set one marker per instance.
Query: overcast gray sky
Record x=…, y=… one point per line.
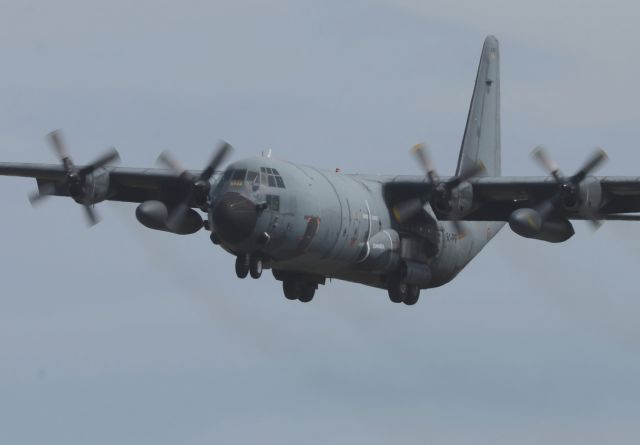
x=123, y=335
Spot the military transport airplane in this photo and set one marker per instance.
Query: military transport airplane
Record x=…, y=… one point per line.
x=400, y=233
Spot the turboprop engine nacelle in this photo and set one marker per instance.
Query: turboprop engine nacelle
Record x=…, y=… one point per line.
x=154, y=215
x=453, y=201
x=94, y=189
x=530, y=224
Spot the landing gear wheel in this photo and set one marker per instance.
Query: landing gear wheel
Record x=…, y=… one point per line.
x=242, y=266
x=255, y=267
x=413, y=293
x=306, y=292
x=398, y=291
x=290, y=289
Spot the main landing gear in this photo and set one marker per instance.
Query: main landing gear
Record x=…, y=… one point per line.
x=401, y=292
x=299, y=290
x=298, y=285
x=249, y=265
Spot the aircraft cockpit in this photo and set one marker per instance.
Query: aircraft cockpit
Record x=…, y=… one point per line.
x=238, y=178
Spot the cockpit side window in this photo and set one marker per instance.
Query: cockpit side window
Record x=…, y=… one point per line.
x=271, y=177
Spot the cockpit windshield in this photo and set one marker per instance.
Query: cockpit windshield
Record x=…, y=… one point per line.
x=268, y=177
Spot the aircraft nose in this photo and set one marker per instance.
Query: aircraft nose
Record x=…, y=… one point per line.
x=234, y=217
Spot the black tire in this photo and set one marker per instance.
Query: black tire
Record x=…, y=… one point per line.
x=398, y=291
x=290, y=289
x=255, y=268
x=306, y=292
x=242, y=266
x=413, y=294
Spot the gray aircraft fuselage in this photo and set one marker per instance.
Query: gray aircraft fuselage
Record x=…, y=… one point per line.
x=337, y=225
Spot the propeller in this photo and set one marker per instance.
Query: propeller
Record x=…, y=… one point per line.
x=76, y=179
x=442, y=191
x=569, y=187
x=198, y=187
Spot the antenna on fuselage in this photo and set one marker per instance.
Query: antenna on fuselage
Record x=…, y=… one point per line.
x=266, y=154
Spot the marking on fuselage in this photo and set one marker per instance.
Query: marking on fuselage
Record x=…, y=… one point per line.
x=335, y=190
x=313, y=224
x=366, y=243
x=453, y=237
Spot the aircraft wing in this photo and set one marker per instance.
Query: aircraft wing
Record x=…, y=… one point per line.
x=124, y=184
x=496, y=198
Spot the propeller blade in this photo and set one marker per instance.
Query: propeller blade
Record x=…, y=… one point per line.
x=472, y=172
x=543, y=157
x=177, y=214
x=595, y=224
x=58, y=145
x=170, y=162
x=406, y=210
x=110, y=156
x=598, y=157
x=421, y=153
x=92, y=216
x=221, y=154
x=594, y=219
x=43, y=192
x=464, y=176
x=459, y=227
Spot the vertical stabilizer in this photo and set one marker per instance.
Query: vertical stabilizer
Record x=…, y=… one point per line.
x=481, y=141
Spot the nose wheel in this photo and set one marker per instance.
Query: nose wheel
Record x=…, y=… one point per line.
x=249, y=265
x=242, y=266
x=255, y=267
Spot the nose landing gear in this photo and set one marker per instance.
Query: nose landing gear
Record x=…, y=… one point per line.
x=255, y=267
x=242, y=266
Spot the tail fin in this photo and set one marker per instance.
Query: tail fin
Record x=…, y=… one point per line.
x=481, y=141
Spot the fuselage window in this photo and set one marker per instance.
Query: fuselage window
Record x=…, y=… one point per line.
x=272, y=181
